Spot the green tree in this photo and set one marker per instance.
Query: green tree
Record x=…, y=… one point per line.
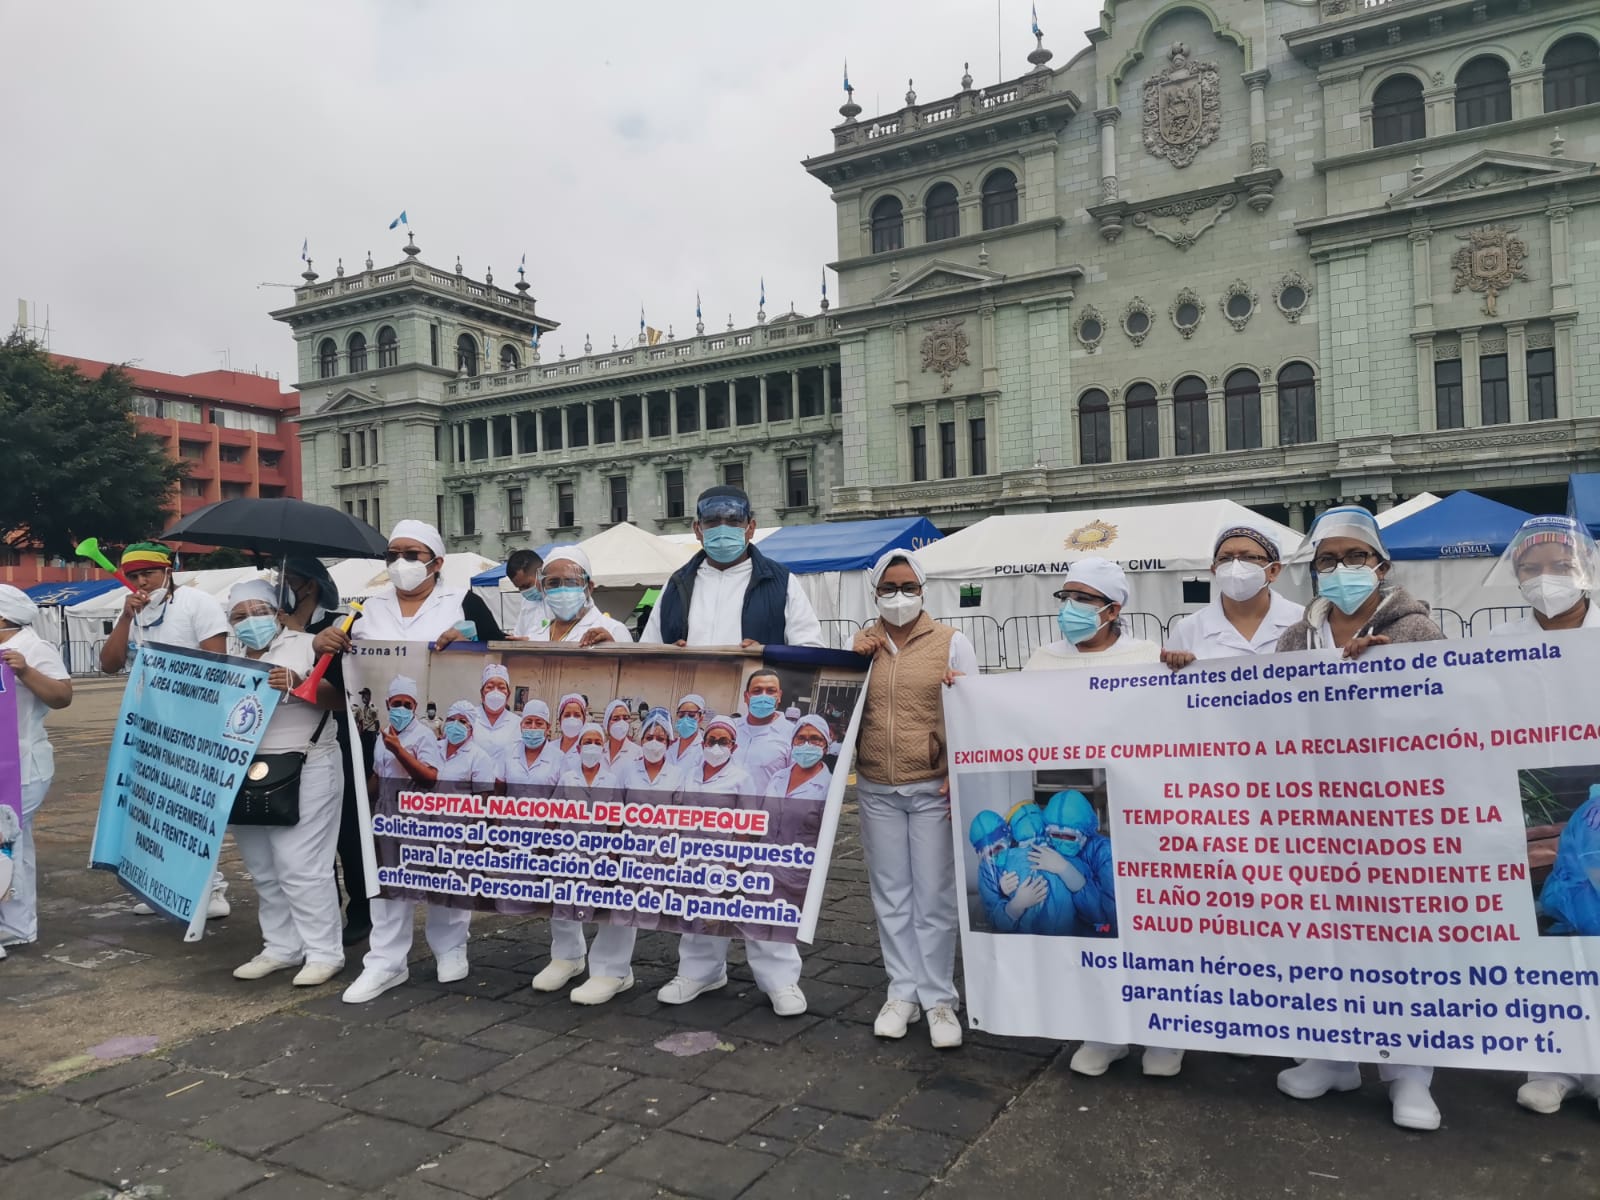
x=76, y=463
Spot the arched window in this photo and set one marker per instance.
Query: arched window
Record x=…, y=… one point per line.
x=1297, y=405
x=509, y=360
x=942, y=213
x=1094, y=427
x=1571, y=73
x=1241, y=400
x=467, y=354
x=888, y=225
x=1191, y=416
x=1143, y=423
x=388, y=348
x=999, y=199
x=327, y=359
x=1397, y=111
x=1483, y=92
x=357, y=348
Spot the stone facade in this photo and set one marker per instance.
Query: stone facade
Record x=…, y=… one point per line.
x=1209, y=257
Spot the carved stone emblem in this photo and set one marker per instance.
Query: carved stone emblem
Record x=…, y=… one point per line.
x=1489, y=263
x=944, y=349
x=1182, y=108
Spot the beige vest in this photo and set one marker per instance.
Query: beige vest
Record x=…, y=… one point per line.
x=902, y=722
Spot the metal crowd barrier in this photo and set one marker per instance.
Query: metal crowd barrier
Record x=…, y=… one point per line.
x=1493, y=616
x=839, y=633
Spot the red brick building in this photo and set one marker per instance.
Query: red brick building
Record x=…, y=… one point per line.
x=235, y=430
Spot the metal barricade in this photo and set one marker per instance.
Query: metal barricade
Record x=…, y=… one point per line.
x=1493, y=616
x=1452, y=623
x=987, y=638
x=838, y=633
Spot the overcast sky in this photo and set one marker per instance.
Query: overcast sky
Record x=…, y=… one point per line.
x=165, y=157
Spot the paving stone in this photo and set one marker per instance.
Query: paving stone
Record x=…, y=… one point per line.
x=518, y=1066
x=568, y=1084
x=414, y=1099
x=824, y=999
x=986, y=1064
x=846, y=953
x=119, y=1151
x=336, y=1064
x=36, y=1179
x=487, y=982
x=527, y=1126
x=778, y=1073
x=647, y=1060
x=204, y=1173
x=842, y=1041
x=454, y=1017
x=237, y=1050
x=722, y=1117
x=765, y=1145
x=914, y=1150
x=480, y=1170
x=113, y=1079
x=510, y=1037
x=861, y=1089
x=714, y=1010
x=40, y=1121
x=610, y=1187
x=180, y=1100
x=794, y=1122
x=264, y=1121
x=716, y=1172
x=417, y=1187
x=374, y=1012
x=648, y=1101
x=362, y=1151
x=808, y=1173
x=564, y=1017
x=454, y=1061
x=291, y=1185
x=764, y=1025
x=593, y=1155
x=841, y=1134
x=529, y=1187
x=952, y=1105
x=614, y=1025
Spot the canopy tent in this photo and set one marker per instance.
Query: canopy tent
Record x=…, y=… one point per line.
x=492, y=577
x=1406, y=508
x=1583, y=500
x=846, y=545
x=89, y=620
x=1462, y=525
x=65, y=595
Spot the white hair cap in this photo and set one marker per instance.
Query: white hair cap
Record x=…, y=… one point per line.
x=401, y=685
x=495, y=671
x=890, y=557
x=419, y=531
x=15, y=606
x=253, y=589
x=570, y=553
x=1101, y=574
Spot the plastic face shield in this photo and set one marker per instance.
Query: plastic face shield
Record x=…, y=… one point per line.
x=1558, y=546
x=724, y=510
x=1346, y=521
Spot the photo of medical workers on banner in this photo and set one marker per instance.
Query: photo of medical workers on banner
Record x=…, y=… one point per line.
x=681, y=790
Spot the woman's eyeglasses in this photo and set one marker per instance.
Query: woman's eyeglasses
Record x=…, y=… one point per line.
x=899, y=589
x=1326, y=564
x=392, y=556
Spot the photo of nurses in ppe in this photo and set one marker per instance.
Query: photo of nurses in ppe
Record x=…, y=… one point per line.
x=1561, y=812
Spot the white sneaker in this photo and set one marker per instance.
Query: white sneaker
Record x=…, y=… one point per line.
x=316, y=974
x=217, y=906
x=261, y=966
x=1162, y=1061
x=681, y=990
x=599, y=988
x=558, y=974
x=1317, y=1077
x=944, y=1028
x=788, y=1001
x=1095, y=1058
x=1544, y=1095
x=373, y=983
x=144, y=910
x=1413, y=1105
x=452, y=965
x=894, y=1017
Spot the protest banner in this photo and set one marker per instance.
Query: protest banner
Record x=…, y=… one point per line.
x=189, y=725
x=493, y=824
x=10, y=773
x=1380, y=859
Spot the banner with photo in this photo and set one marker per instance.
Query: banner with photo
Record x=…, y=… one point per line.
x=1394, y=858
x=710, y=829
x=189, y=726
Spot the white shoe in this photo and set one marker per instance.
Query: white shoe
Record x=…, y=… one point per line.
x=1095, y=1058
x=1161, y=1061
x=681, y=990
x=261, y=966
x=599, y=988
x=452, y=965
x=144, y=910
x=373, y=983
x=788, y=1001
x=1413, y=1105
x=558, y=974
x=1317, y=1077
x=944, y=1028
x=316, y=974
x=1544, y=1095
x=216, y=906
x=894, y=1017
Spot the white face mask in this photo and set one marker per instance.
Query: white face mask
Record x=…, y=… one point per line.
x=158, y=597
x=1551, y=595
x=619, y=730
x=717, y=755
x=1241, y=580
x=589, y=755
x=571, y=726
x=494, y=701
x=654, y=751
x=899, y=609
x=407, y=576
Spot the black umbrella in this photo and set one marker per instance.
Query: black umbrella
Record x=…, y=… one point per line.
x=280, y=526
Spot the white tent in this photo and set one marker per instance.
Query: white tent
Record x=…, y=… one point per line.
x=626, y=556
x=88, y=623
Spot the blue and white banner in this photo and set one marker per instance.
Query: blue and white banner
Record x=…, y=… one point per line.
x=189, y=726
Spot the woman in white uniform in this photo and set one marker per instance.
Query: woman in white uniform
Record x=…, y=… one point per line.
x=537, y=761
x=1247, y=616
x=652, y=769
x=498, y=729
x=46, y=684
x=569, y=597
x=465, y=766
x=685, y=750
x=572, y=714
x=416, y=606
x=292, y=865
x=620, y=749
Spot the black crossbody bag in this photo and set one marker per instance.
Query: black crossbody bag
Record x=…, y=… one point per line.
x=270, y=794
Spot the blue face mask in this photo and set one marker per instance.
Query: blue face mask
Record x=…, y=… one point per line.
x=467, y=629
x=1078, y=622
x=455, y=732
x=532, y=595
x=763, y=706
x=566, y=602
x=256, y=632
x=533, y=738
x=687, y=727
x=806, y=755
x=1348, y=588
x=399, y=718
x=724, y=543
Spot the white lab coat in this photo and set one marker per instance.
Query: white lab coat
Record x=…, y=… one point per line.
x=1209, y=634
x=19, y=912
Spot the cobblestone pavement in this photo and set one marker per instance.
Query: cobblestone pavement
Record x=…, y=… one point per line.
x=484, y=1088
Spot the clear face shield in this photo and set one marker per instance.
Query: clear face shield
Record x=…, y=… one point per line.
x=1552, y=561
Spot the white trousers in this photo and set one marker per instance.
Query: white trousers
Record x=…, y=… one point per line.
x=612, y=955
x=911, y=872
x=292, y=866
x=702, y=958
x=19, y=912
x=389, y=944
x=1389, y=1072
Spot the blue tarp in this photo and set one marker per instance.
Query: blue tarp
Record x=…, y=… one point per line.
x=68, y=594
x=493, y=576
x=1583, y=500
x=1462, y=525
x=845, y=545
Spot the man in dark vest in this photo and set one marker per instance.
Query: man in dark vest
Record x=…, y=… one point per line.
x=729, y=594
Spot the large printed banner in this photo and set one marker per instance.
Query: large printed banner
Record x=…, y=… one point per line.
x=189, y=726
x=493, y=823
x=1394, y=858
